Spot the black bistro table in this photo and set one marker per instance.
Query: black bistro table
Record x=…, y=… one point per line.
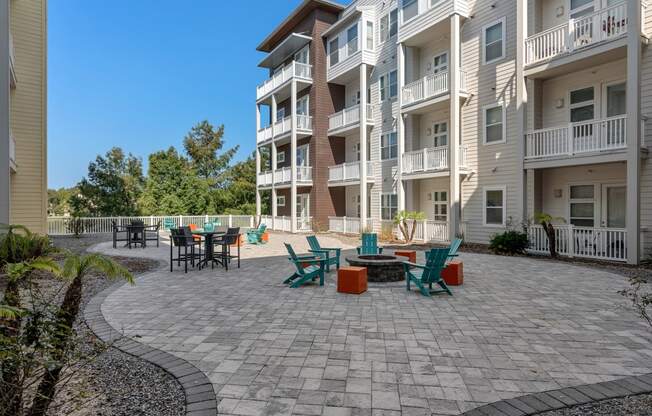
x=135, y=235
x=209, y=256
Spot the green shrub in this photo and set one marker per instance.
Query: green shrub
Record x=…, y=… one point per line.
x=510, y=242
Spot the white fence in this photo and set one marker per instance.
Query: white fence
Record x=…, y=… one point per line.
x=589, y=242
x=96, y=225
x=348, y=172
x=345, y=225
x=429, y=86
x=584, y=137
x=284, y=223
x=605, y=24
x=294, y=69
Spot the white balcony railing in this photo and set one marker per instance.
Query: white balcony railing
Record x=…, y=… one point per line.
x=605, y=24
x=431, y=231
x=589, y=242
x=292, y=70
x=429, y=86
x=284, y=126
x=284, y=175
x=265, y=178
x=576, y=138
x=348, y=117
x=304, y=122
x=345, y=225
x=427, y=159
x=348, y=172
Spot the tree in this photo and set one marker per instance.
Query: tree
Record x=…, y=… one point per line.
x=546, y=220
x=240, y=192
x=402, y=219
x=59, y=200
x=203, y=144
x=113, y=186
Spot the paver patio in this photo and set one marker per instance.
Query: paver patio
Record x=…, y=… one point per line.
x=517, y=326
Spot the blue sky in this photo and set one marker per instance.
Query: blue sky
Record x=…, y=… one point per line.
x=139, y=74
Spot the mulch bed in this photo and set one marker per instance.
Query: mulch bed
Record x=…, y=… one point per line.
x=627, y=406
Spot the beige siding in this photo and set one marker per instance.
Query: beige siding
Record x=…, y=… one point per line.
x=28, y=115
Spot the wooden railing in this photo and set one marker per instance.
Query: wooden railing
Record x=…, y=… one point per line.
x=605, y=24
x=589, y=242
x=576, y=138
x=429, y=86
x=348, y=172
x=293, y=69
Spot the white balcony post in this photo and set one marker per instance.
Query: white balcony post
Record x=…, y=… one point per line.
x=5, y=181
x=258, y=202
x=293, y=158
x=424, y=162
x=454, y=141
x=363, y=146
x=521, y=107
x=400, y=191
x=633, y=123
x=273, y=118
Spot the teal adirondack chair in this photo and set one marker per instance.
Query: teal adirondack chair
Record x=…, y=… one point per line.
x=331, y=255
x=314, y=270
x=422, y=275
x=209, y=226
x=452, y=249
x=255, y=236
x=369, y=245
x=168, y=224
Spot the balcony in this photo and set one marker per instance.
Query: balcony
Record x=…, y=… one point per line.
x=430, y=161
x=12, y=62
x=12, y=152
x=588, y=242
x=302, y=72
x=589, y=40
x=283, y=177
x=283, y=127
x=348, y=174
x=348, y=120
x=606, y=137
x=430, y=89
x=418, y=20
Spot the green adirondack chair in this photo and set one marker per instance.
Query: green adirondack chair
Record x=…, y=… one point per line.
x=452, y=249
x=209, y=226
x=331, y=255
x=255, y=236
x=426, y=275
x=304, y=274
x=168, y=223
x=369, y=245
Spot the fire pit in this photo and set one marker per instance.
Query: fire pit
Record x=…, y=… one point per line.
x=380, y=268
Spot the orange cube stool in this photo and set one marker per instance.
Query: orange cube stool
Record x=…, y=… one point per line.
x=411, y=255
x=453, y=274
x=265, y=237
x=352, y=280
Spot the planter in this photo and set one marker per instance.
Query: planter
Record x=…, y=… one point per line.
x=453, y=274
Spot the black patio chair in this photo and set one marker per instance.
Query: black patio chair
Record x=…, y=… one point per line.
x=120, y=234
x=182, y=237
x=232, y=237
x=152, y=233
x=136, y=234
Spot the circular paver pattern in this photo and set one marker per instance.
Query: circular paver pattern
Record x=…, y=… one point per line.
x=517, y=326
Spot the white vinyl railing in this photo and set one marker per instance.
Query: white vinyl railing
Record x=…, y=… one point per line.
x=284, y=126
x=344, y=225
x=588, y=242
x=348, y=117
x=431, y=231
x=284, y=223
x=429, y=86
x=293, y=69
x=58, y=225
x=265, y=178
x=304, y=122
x=284, y=175
x=348, y=172
x=584, y=137
x=605, y=24
x=427, y=159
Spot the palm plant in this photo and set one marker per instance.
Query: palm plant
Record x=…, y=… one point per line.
x=403, y=218
x=546, y=222
x=75, y=268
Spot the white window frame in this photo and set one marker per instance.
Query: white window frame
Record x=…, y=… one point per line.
x=436, y=135
x=502, y=21
x=387, y=196
x=303, y=98
x=486, y=189
x=305, y=50
x=593, y=201
x=330, y=51
x=280, y=200
x=382, y=137
x=280, y=157
x=402, y=7
x=434, y=67
x=386, y=89
x=484, y=123
x=436, y=203
x=382, y=38
x=571, y=11
x=581, y=104
x=280, y=110
x=369, y=35
x=345, y=33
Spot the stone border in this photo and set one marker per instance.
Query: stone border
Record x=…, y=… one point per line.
x=546, y=401
x=197, y=388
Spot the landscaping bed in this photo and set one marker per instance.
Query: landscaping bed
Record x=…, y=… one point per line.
x=640, y=405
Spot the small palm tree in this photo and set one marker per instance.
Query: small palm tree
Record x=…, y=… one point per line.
x=546, y=221
x=403, y=218
x=75, y=268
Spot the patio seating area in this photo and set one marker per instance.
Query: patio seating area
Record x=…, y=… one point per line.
x=517, y=325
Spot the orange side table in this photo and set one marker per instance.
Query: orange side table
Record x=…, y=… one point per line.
x=411, y=255
x=453, y=274
x=352, y=280
x=265, y=236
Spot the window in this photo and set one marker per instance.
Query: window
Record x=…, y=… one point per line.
x=388, y=206
x=440, y=63
x=388, y=26
x=440, y=131
x=368, y=205
x=280, y=114
x=440, y=201
x=410, y=9
x=356, y=100
x=388, y=146
x=303, y=105
x=582, y=205
x=280, y=157
x=494, y=206
x=494, y=42
x=579, y=8
x=334, y=51
x=389, y=86
x=352, y=40
x=494, y=124
x=582, y=105
x=370, y=35
x=280, y=200
x=303, y=55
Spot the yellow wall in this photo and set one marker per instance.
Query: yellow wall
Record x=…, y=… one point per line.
x=29, y=114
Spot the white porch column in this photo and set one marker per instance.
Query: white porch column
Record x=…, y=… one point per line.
x=5, y=179
x=454, y=142
x=521, y=108
x=363, y=147
x=258, y=207
x=633, y=218
x=293, y=157
x=400, y=129
x=274, y=167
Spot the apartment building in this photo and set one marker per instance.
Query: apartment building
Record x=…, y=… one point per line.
x=23, y=113
x=479, y=114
